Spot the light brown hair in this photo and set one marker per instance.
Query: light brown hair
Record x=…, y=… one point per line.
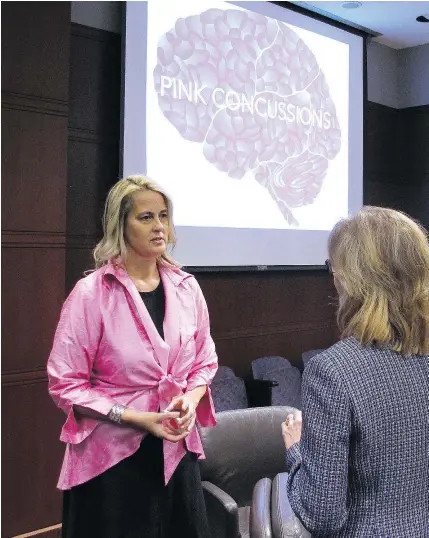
x=119, y=203
x=381, y=263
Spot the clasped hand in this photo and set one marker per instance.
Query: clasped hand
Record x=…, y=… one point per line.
x=186, y=407
x=173, y=424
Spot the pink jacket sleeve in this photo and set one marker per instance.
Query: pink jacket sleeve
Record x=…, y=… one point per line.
x=206, y=362
x=71, y=360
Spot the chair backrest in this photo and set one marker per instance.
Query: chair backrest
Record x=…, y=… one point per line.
x=243, y=447
x=288, y=391
x=307, y=355
x=224, y=372
x=264, y=365
x=228, y=391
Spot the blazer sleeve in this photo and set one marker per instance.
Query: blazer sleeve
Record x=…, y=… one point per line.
x=71, y=362
x=206, y=362
x=318, y=465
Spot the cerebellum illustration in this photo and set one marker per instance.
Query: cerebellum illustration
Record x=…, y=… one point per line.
x=250, y=92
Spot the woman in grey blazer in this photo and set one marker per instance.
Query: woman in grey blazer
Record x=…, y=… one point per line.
x=360, y=468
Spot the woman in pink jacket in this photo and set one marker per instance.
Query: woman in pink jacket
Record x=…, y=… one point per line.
x=131, y=365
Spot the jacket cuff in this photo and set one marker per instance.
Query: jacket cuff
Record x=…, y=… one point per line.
x=205, y=410
x=75, y=430
x=293, y=456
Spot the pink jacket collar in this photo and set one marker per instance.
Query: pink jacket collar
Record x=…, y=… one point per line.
x=171, y=277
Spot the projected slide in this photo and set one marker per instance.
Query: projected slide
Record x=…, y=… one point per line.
x=248, y=115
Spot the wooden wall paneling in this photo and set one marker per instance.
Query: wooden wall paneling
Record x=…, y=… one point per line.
x=397, y=160
x=78, y=260
x=31, y=456
x=35, y=65
x=379, y=192
x=413, y=136
x=381, y=182
x=421, y=202
x=381, y=144
x=413, y=139
x=35, y=44
x=93, y=147
x=84, y=207
x=239, y=351
x=92, y=169
x=34, y=165
x=95, y=81
x=32, y=294
x=256, y=314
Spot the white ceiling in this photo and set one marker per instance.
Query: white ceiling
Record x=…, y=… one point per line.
x=395, y=21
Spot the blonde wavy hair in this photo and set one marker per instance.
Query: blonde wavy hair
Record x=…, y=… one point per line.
x=380, y=259
x=112, y=248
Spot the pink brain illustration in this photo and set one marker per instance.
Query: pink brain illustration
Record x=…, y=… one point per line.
x=250, y=91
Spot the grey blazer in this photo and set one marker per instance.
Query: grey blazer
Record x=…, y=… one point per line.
x=361, y=469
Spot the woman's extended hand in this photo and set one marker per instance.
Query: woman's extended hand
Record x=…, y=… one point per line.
x=291, y=429
x=154, y=423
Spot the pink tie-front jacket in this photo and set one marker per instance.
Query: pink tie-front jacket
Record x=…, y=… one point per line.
x=107, y=350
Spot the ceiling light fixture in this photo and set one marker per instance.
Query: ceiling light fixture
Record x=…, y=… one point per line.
x=351, y=5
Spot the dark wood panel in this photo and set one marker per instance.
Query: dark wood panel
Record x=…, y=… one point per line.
x=413, y=141
x=386, y=194
x=238, y=300
x=32, y=295
x=31, y=459
x=78, y=261
x=32, y=103
x=35, y=48
x=33, y=239
x=397, y=160
x=414, y=169
x=95, y=81
x=253, y=315
x=93, y=145
x=24, y=377
x=34, y=168
x=420, y=201
x=381, y=143
x=238, y=353
x=92, y=169
x=35, y=83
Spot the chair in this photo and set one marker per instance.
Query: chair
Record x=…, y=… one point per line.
x=263, y=365
x=244, y=447
x=231, y=392
x=287, y=378
x=284, y=522
x=228, y=390
x=307, y=355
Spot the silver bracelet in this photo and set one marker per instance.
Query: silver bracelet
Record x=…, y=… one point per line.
x=115, y=414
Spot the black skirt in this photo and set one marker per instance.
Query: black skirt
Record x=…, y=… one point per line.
x=130, y=500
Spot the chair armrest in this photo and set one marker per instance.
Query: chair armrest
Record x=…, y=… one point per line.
x=259, y=391
x=260, y=510
x=284, y=522
x=222, y=512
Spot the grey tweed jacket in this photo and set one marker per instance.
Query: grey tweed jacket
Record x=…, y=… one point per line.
x=361, y=469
